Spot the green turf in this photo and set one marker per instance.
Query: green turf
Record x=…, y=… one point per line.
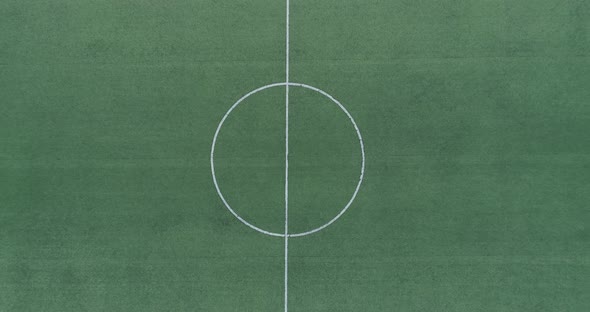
x=475, y=117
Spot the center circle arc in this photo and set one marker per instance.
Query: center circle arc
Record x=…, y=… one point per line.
x=290, y=84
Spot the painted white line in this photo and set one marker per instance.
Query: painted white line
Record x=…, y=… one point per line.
x=358, y=133
x=362, y=145
x=287, y=84
x=213, y=157
x=287, y=156
x=287, y=33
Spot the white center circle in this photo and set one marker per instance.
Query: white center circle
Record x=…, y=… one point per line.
x=290, y=84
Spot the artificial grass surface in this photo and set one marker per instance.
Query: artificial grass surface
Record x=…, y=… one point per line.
x=475, y=119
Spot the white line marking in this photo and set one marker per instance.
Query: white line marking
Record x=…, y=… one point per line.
x=286, y=234
x=213, y=163
x=286, y=155
x=287, y=32
x=358, y=133
x=291, y=84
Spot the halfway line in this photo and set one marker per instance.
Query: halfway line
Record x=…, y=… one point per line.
x=286, y=155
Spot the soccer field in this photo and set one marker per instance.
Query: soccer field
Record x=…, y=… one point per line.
x=295, y=155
